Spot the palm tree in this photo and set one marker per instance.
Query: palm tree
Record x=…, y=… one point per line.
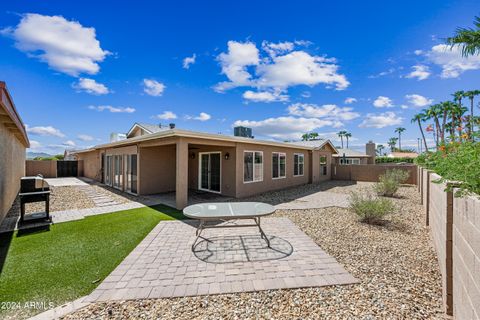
x=380, y=148
x=467, y=38
x=348, y=135
x=471, y=95
x=342, y=134
x=457, y=97
x=435, y=112
x=391, y=143
x=313, y=136
x=399, y=130
x=418, y=118
x=305, y=137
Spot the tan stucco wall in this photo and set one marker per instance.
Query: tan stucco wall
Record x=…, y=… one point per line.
x=92, y=164
x=248, y=189
x=157, y=169
x=12, y=168
x=47, y=168
x=370, y=172
x=227, y=168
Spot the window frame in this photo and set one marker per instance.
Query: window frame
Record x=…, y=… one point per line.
x=253, y=166
x=350, y=161
x=279, y=154
x=298, y=164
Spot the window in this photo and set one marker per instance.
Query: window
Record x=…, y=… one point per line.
x=298, y=163
x=323, y=165
x=252, y=166
x=278, y=165
x=131, y=173
x=348, y=161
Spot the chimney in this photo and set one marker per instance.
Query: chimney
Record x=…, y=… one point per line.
x=370, y=150
x=172, y=125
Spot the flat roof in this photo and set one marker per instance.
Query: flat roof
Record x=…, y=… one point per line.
x=199, y=135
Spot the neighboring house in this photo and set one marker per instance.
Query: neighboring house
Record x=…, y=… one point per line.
x=349, y=156
x=178, y=160
x=13, y=144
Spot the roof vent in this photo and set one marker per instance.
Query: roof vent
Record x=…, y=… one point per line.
x=172, y=125
x=242, y=132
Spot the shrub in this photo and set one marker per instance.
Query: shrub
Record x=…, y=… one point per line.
x=456, y=162
x=370, y=208
x=389, y=182
x=393, y=160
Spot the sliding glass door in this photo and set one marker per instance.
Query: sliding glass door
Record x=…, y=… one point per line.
x=210, y=171
x=131, y=173
x=108, y=170
x=117, y=172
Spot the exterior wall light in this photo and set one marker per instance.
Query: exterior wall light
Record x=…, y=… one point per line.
x=227, y=156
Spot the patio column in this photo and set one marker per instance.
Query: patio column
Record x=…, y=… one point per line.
x=181, y=187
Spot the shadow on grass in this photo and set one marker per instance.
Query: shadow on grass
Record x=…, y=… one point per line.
x=5, y=240
x=173, y=213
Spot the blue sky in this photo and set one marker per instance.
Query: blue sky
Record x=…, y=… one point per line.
x=79, y=71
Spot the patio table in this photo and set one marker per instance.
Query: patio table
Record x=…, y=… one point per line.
x=227, y=211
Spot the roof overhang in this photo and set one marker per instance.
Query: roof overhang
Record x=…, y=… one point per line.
x=9, y=116
x=137, y=125
x=327, y=142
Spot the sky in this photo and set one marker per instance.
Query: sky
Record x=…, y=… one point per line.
x=78, y=71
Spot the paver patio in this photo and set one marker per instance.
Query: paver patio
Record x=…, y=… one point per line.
x=237, y=260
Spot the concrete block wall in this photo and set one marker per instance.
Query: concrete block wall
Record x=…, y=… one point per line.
x=454, y=224
x=370, y=172
x=47, y=168
x=466, y=258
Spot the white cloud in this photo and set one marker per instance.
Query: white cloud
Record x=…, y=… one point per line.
x=85, y=137
x=306, y=94
x=327, y=111
x=90, y=86
x=264, y=96
x=69, y=143
x=383, y=102
x=380, y=120
x=418, y=52
x=203, y=116
x=166, y=115
x=420, y=72
x=350, y=100
x=382, y=74
x=188, y=61
x=283, y=128
x=34, y=144
x=66, y=46
x=282, y=67
x=45, y=131
x=153, y=87
x=451, y=60
x=417, y=100
x=113, y=109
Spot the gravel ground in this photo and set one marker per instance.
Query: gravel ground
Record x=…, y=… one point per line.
x=61, y=198
x=395, y=263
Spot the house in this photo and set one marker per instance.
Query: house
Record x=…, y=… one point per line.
x=349, y=156
x=151, y=161
x=410, y=155
x=13, y=144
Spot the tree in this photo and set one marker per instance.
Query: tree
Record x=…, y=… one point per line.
x=391, y=143
x=348, y=135
x=313, y=136
x=467, y=38
x=342, y=134
x=399, y=130
x=456, y=118
x=305, y=137
x=418, y=118
x=471, y=95
x=380, y=148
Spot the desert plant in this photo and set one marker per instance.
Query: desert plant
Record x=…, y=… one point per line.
x=389, y=182
x=369, y=207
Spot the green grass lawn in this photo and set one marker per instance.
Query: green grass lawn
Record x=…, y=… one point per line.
x=68, y=260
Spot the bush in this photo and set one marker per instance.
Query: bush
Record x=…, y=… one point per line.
x=389, y=182
x=370, y=208
x=393, y=160
x=456, y=162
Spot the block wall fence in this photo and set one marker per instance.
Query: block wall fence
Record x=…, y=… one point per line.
x=454, y=225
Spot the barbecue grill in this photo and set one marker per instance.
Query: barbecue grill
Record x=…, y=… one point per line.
x=34, y=189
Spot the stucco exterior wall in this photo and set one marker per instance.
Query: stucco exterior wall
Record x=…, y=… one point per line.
x=12, y=168
x=268, y=184
x=228, y=181
x=92, y=164
x=157, y=169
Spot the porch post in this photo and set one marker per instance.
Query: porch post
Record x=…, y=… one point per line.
x=181, y=181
